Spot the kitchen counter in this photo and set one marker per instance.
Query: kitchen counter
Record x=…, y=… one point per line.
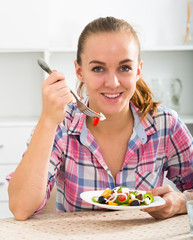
x=101, y=225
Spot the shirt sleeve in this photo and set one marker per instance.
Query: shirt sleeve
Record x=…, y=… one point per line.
x=180, y=155
x=56, y=159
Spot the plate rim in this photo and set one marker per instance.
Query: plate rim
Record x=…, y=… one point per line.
x=91, y=193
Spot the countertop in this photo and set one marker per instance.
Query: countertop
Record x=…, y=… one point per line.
x=99, y=225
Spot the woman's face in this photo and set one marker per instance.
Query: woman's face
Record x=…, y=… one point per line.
x=110, y=70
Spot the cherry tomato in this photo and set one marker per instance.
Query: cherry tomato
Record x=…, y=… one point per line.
x=122, y=198
x=96, y=121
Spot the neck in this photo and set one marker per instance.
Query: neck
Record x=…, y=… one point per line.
x=113, y=123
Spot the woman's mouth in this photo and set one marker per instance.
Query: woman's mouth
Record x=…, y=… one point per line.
x=112, y=96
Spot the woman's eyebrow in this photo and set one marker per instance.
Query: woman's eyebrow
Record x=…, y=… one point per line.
x=103, y=63
x=97, y=62
x=125, y=61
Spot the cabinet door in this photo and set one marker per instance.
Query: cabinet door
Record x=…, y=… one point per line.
x=13, y=143
x=4, y=171
x=4, y=200
x=4, y=210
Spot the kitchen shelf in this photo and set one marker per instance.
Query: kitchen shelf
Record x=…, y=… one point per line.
x=145, y=48
x=185, y=47
x=18, y=122
x=168, y=48
x=21, y=50
x=62, y=50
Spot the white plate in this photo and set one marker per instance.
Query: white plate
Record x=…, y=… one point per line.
x=87, y=196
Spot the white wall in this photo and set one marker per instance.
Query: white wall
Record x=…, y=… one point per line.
x=159, y=22
x=24, y=23
x=57, y=23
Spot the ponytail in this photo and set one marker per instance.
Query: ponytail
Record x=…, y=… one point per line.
x=143, y=99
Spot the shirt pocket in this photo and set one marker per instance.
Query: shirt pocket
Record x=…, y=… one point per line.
x=147, y=180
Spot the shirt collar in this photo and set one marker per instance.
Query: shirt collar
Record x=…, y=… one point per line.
x=147, y=126
x=78, y=120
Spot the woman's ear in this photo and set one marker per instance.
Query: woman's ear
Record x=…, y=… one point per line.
x=78, y=71
x=139, y=69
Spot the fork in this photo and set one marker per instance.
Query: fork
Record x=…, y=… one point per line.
x=81, y=106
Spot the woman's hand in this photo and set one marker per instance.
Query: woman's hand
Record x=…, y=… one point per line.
x=55, y=96
x=175, y=203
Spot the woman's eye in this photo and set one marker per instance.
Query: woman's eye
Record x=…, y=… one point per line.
x=125, y=68
x=97, y=69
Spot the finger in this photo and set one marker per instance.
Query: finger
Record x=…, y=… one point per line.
x=59, y=85
x=65, y=100
x=63, y=92
x=54, y=77
x=157, y=215
x=162, y=213
x=69, y=99
x=153, y=209
x=159, y=191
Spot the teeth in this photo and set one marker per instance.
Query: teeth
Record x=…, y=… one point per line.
x=111, y=95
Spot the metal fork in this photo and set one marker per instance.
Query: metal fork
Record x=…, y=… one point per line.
x=81, y=106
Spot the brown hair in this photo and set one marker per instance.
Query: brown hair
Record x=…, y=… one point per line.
x=142, y=97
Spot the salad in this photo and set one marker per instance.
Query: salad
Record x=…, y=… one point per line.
x=123, y=196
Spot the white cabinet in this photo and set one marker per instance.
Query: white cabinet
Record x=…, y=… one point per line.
x=166, y=64
x=13, y=142
x=20, y=80
x=13, y=137
x=4, y=171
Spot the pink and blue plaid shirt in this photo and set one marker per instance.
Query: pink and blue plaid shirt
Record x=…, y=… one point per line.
x=160, y=143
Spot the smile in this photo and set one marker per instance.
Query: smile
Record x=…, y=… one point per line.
x=112, y=95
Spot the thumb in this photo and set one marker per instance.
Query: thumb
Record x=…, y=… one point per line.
x=160, y=191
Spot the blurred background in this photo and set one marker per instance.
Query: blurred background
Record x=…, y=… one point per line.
x=50, y=29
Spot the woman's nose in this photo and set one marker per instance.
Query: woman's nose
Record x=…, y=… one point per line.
x=112, y=81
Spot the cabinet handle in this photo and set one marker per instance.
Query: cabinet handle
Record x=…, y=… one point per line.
x=1, y=145
x=2, y=183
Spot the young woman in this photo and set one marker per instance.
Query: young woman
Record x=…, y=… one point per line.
x=137, y=142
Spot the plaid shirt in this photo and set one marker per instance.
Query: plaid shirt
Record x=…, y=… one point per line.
x=160, y=143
